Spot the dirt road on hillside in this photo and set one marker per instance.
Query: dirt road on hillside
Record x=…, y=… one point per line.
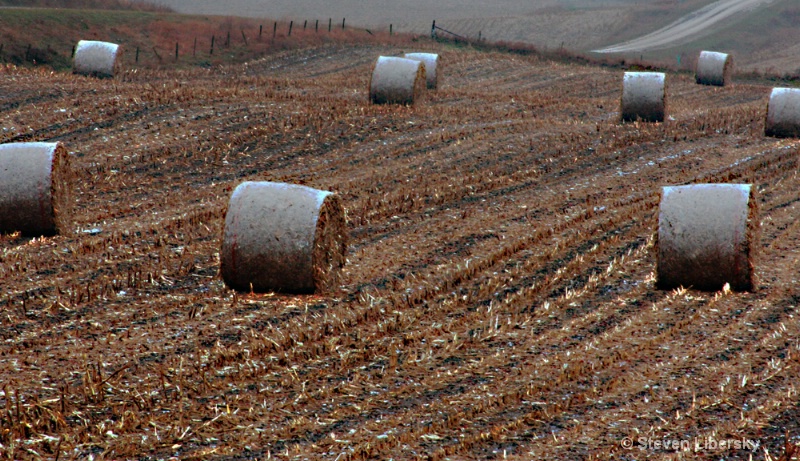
x=699, y=23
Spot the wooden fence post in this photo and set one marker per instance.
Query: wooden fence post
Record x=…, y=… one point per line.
x=291, y=23
x=330, y=21
x=212, y=46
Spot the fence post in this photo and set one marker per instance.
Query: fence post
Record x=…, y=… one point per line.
x=260, y=28
x=433, y=29
x=330, y=21
x=212, y=46
x=343, y=23
x=291, y=23
x=137, y=54
x=316, y=26
x=390, y=29
x=194, y=48
x=244, y=37
x=176, y=51
x=228, y=40
x=274, y=29
x=304, y=24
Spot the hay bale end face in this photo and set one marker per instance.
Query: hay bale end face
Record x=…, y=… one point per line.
x=714, y=68
x=643, y=97
x=98, y=59
x=783, y=113
x=397, y=81
x=431, y=62
x=707, y=237
x=35, y=188
x=283, y=237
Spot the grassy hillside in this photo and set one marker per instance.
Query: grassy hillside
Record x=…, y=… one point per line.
x=89, y=4
x=40, y=36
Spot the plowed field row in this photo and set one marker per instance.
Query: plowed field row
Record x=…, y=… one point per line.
x=499, y=296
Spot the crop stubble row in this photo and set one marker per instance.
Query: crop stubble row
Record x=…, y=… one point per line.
x=552, y=211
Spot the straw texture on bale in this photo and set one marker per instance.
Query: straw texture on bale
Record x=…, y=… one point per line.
x=35, y=188
x=397, y=81
x=431, y=62
x=283, y=237
x=783, y=113
x=707, y=237
x=643, y=97
x=98, y=59
x=714, y=68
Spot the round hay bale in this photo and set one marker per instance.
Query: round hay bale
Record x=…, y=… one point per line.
x=714, y=68
x=35, y=188
x=396, y=81
x=783, y=113
x=431, y=62
x=643, y=97
x=283, y=237
x=98, y=59
x=707, y=237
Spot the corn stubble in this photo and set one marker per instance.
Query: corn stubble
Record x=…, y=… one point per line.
x=499, y=294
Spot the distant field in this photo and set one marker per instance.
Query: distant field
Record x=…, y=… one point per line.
x=764, y=40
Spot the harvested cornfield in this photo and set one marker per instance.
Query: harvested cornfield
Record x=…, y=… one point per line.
x=499, y=299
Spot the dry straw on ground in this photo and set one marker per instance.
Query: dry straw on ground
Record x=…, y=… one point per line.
x=283, y=237
x=714, y=68
x=98, y=59
x=431, y=62
x=643, y=97
x=783, y=113
x=397, y=81
x=706, y=236
x=35, y=188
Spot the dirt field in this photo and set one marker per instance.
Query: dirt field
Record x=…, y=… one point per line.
x=498, y=301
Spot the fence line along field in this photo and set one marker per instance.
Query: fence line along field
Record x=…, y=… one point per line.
x=498, y=298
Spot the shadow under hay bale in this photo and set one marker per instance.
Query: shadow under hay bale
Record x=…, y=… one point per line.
x=643, y=97
x=783, y=113
x=707, y=237
x=714, y=68
x=283, y=237
x=397, y=81
x=97, y=59
x=431, y=62
x=35, y=188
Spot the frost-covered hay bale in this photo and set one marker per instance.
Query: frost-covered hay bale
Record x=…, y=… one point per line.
x=35, y=188
x=99, y=59
x=714, y=68
x=707, y=236
x=643, y=97
x=431, y=62
x=397, y=81
x=283, y=237
x=783, y=113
